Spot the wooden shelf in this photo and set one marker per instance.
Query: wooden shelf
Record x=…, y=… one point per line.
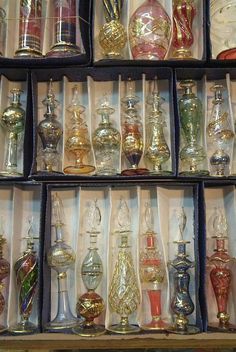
x=66, y=341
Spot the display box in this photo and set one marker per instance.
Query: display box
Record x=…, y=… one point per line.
x=219, y=258
x=93, y=86
x=16, y=124
x=33, y=43
x=21, y=223
x=215, y=90
x=135, y=24
x=123, y=207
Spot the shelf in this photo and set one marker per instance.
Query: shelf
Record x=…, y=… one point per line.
x=66, y=341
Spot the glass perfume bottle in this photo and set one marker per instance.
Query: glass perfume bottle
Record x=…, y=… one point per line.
x=220, y=134
x=90, y=305
x=30, y=29
x=182, y=304
x=149, y=32
x=78, y=142
x=220, y=272
x=106, y=142
x=184, y=12
x=61, y=258
x=4, y=273
x=132, y=132
x=2, y=31
x=124, y=294
x=50, y=132
x=112, y=35
x=156, y=150
x=152, y=273
x=223, y=27
x=13, y=122
x=27, y=274
x=65, y=29
x=191, y=118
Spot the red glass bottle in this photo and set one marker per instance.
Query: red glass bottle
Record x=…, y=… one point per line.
x=149, y=31
x=220, y=273
x=30, y=29
x=184, y=12
x=152, y=275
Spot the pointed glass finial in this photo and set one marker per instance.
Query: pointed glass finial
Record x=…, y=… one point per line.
x=123, y=217
x=75, y=107
x=149, y=219
x=182, y=219
x=58, y=215
x=50, y=102
x=93, y=217
x=220, y=226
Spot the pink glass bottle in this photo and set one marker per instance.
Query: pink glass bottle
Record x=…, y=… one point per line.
x=220, y=272
x=184, y=12
x=4, y=273
x=149, y=32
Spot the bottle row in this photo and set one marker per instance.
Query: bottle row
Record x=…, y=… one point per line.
x=140, y=123
x=121, y=30
x=120, y=258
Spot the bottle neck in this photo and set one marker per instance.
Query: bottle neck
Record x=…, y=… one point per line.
x=105, y=119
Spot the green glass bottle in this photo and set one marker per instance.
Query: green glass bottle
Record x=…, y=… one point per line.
x=192, y=153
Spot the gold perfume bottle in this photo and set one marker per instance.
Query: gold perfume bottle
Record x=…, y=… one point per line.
x=78, y=142
x=156, y=150
x=112, y=35
x=124, y=294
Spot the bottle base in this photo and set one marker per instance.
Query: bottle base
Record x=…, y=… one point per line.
x=78, y=170
x=189, y=330
x=89, y=331
x=124, y=329
x=23, y=328
x=135, y=172
x=63, y=50
x=229, y=54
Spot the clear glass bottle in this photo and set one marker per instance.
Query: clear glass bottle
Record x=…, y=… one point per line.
x=149, y=31
x=61, y=257
x=219, y=265
x=152, y=274
x=13, y=122
x=192, y=154
x=124, y=294
x=112, y=35
x=132, y=132
x=184, y=12
x=223, y=27
x=156, y=149
x=90, y=305
x=78, y=142
x=106, y=142
x=220, y=134
x=50, y=132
